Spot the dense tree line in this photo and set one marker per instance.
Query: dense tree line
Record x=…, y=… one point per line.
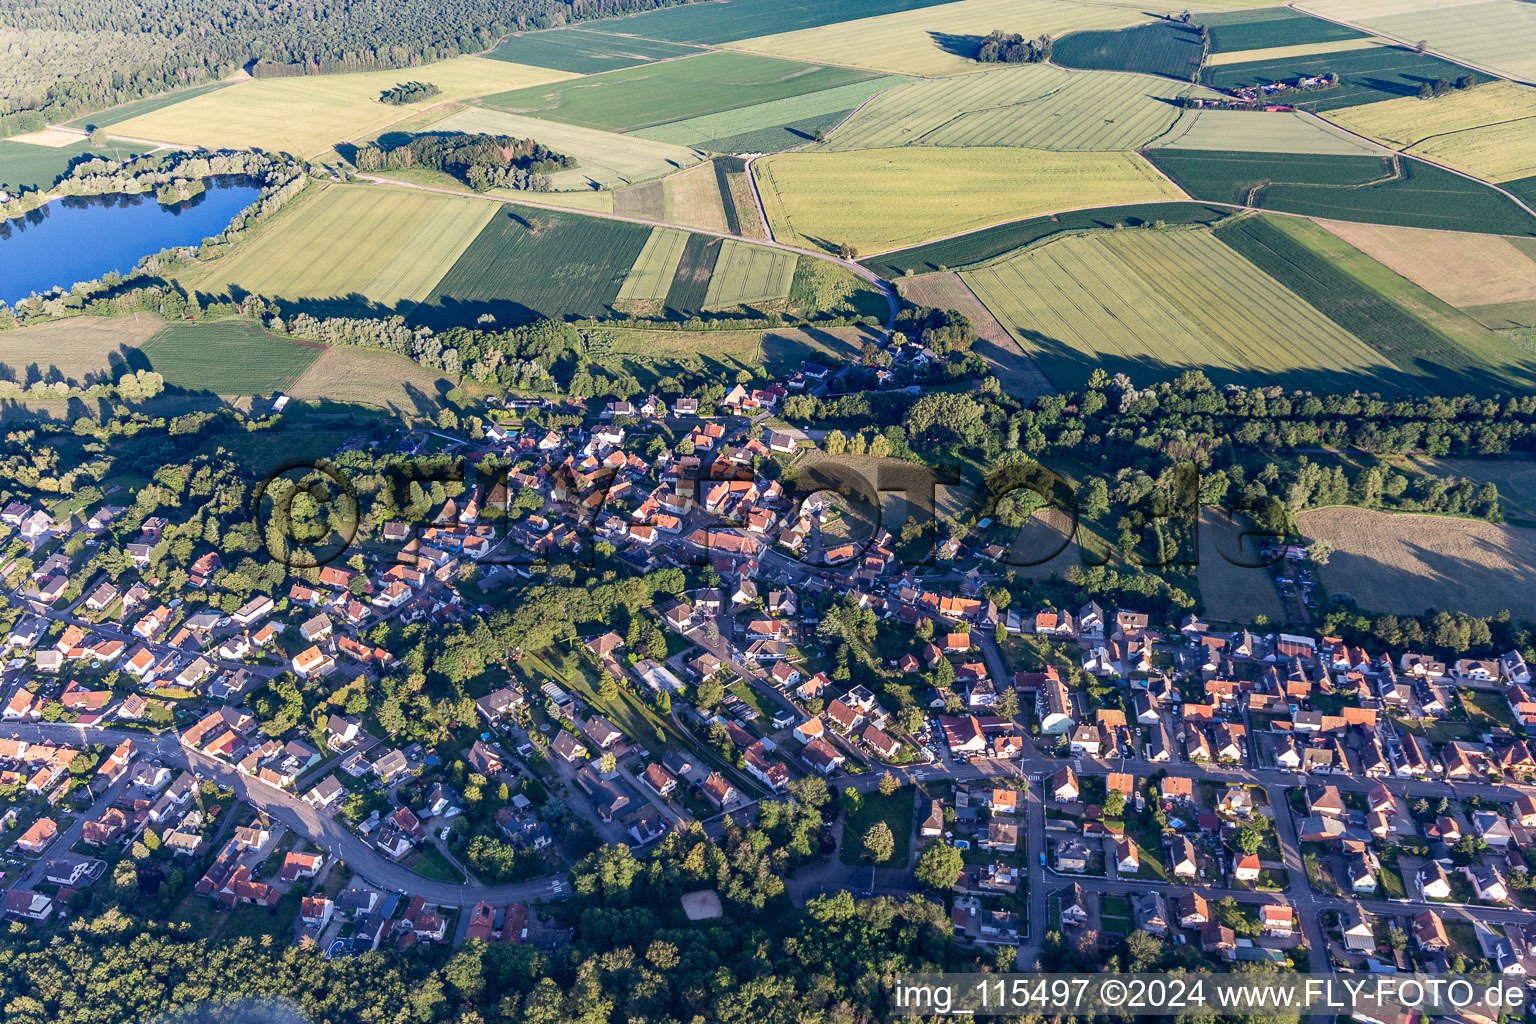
x=480, y=161
x=71, y=58
x=408, y=92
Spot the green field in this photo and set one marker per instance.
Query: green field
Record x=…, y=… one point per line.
x=1365, y=76
x=24, y=165
x=1038, y=106
x=691, y=283
x=770, y=126
x=895, y=810
x=1489, y=132
x=990, y=243
x=229, y=357
x=747, y=273
x=651, y=276
x=1152, y=304
x=1525, y=188
x=1424, y=337
x=689, y=356
x=1165, y=47
x=586, y=51
x=1249, y=131
x=527, y=265
x=828, y=289
x=1496, y=34
x=1267, y=27
x=655, y=94
x=1401, y=191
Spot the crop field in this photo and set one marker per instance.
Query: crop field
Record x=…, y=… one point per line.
x=673, y=90
x=386, y=246
x=29, y=165
x=1038, y=106
x=691, y=283
x=747, y=273
x=740, y=198
x=366, y=376
x=1464, y=270
x=1426, y=338
x=81, y=350
x=525, y=265
x=651, y=276
x=1014, y=369
x=310, y=114
x=991, y=243
x=1233, y=591
x=585, y=50
x=717, y=131
x=1496, y=34
x=1489, y=131
x=583, y=202
x=124, y=111
x=692, y=198
x=1247, y=131
x=1400, y=191
x=1365, y=76
x=603, y=159
x=227, y=357
x=1217, y=60
x=1155, y=303
x=1406, y=564
x=1165, y=47
x=891, y=198
x=1268, y=27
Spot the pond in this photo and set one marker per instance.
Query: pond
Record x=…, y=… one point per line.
x=80, y=238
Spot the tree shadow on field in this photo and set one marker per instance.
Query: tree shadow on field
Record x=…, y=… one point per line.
x=966, y=46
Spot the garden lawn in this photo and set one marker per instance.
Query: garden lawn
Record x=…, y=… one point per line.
x=895, y=810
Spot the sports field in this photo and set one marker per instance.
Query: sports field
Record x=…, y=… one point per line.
x=1248, y=131
x=651, y=275
x=1489, y=131
x=81, y=350
x=1154, y=303
x=1038, y=106
x=890, y=198
x=1166, y=47
x=1270, y=27
x=586, y=50
x=747, y=273
x=1464, y=270
x=718, y=131
x=31, y=165
x=603, y=159
x=692, y=198
x=1015, y=371
x=1496, y=34
x=309, y=114
x=528, y=264
x=673, y=90
x=1365, y=76
x=228, y=357
x=386, y=246
x=1407, y=564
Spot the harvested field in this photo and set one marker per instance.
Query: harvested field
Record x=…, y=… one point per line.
x=1462, y=269
x=1365, y=76
x=310, y=114
x=1489, y=131
x=648, y=201
x=1407, y=564
x=82, y=350
x=227, y=357
x=366, y=376
x=692, y=198
x=1015, y=370
x=891, y=198
x=1166, y=47
x=1229, y=588
x=651, y=276
x=584, y=202
x=604, y=159
x=585, y=50
x=1247, y=131
x=673, y=90
x=38, y=164
x=1038, y=106
x=1155, y=303
x=1217, y=60
x=388, y=246
x=746, y=274
x=1271, y=27
x=1495, y=34
x=709, y=131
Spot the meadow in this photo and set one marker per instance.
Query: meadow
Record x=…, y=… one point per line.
x=1513, y=475
x=81, y=350
x=352, y=244
x=978, y=247
x=1015, y=370
x=887, y=199
x=1401, y=191
x=227, y=357
x=529, y=264
x=745, y=274
x=1407, y=564
x=691, y=282
x=693, y=198
x=310, y=114
x=603, y=159
x=1038, y=106
x=28, y=165
x=1246, y=131
x=1496, y=34
x=650, y=277
x=1449, y=352
x=1155, y=303
x=673, y=90
x=649, y=356
x=823, y=288
x=1489, y=131
x=1365, y=76
x=1165, y=47
x=365, y=376
x=1464, y=270
x=586, y=49
x=776, y=121
x=1228, y=591
x=1269, y=27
